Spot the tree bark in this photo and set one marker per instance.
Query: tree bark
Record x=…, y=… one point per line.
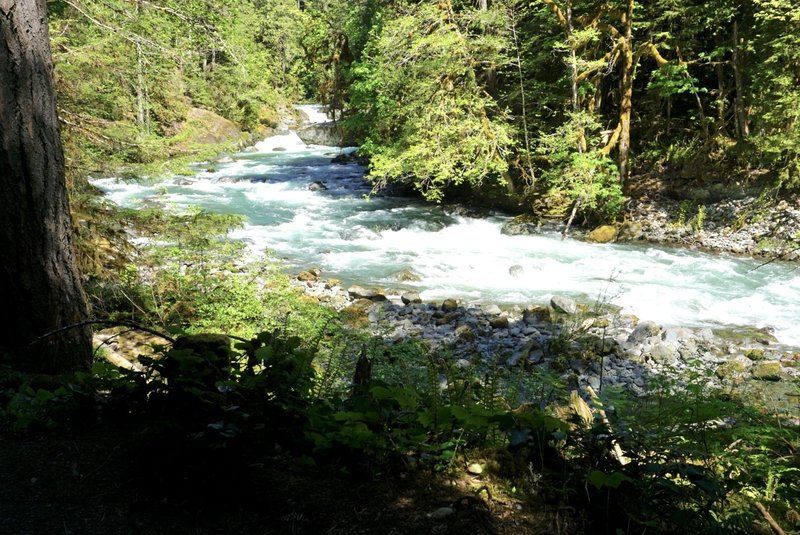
x=742, y=129
x=39, y=281
x=573, y=61
x=626, y=100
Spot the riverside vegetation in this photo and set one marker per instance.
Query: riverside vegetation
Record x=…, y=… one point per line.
x=294, y=391
x=559, y=107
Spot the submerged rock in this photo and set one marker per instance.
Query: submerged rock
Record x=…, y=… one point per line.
x=317, y=185
x=516, y=270
x=406, y=275
x=522, y=225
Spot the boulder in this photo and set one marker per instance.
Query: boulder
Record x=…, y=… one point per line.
x=643, y=331
x=766, y=371
x=449, y=305
x=733, y=370
x=465, y=332
x=536, y=315
x=206, y=127
x=522, y=225
x=307, y=276
x=563, y=304
x=602, y=234
x=755, y=354
x=406, y=275
x=630, y=231
x=491, y=309
x=329, y=134
x=357, y=313
x=317, y=186
x=344, y=158
x=359, y=292
x=665, y=354
x=499, y=322
x=675, y=334
x=409, y=298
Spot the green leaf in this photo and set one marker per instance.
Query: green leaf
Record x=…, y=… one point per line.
x=613, y=480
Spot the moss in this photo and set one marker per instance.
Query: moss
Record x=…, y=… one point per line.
x=767, y=371
x=602, y=234
x=730, y=371
x=755, y=354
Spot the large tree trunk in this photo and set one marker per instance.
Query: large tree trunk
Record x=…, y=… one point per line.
x=40, y=287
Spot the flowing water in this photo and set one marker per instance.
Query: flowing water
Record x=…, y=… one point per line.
x=368, y=241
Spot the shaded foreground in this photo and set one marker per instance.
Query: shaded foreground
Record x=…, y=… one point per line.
x=92, y=483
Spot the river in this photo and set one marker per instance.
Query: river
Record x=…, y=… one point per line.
x=369, y=240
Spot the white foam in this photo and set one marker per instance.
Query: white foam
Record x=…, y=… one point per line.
x=315, y=113
x=289, y=142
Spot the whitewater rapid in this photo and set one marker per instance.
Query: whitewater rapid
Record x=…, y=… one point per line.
x=368, y=241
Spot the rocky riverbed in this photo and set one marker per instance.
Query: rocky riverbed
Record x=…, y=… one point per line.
x=754, y=225
x=740, y=226
x=584, y=346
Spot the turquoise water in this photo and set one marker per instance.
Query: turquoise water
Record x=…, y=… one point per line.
x=368, y=241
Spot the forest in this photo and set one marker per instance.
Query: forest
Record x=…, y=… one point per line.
x=158, y=376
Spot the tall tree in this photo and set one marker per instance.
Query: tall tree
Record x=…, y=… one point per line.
x=39, y=282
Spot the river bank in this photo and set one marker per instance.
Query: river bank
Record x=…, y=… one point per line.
x=584, y=345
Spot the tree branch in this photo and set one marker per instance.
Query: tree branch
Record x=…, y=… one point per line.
x=130, y=324
x=562, y=20
x=774, y=525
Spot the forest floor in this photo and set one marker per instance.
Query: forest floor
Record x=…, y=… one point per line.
x=101, y=481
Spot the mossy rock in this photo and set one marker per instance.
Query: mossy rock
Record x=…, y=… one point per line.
x=755, y=354
x=731, y=371
x=743, y=336
x=206, y=127
x=307, y=276
x=406, y=275
x=630, y=231
x=602, y=234
x=767, y=371
x=499, y=322
x=357, y=314
x=537, y=314
x=465, y=332
x=449, y=305
x=521, y=225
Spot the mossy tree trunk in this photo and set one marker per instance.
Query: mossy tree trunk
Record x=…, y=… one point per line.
x=40, y=287
x=626, y=98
